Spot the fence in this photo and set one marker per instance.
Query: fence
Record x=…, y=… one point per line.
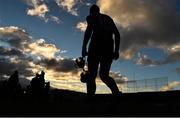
x=145, y=85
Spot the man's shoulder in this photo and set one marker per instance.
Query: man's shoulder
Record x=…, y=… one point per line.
x=106, y=16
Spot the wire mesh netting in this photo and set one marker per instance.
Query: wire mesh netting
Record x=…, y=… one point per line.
x=145, y=85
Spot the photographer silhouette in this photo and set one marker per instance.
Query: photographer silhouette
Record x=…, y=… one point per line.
x=100, y=29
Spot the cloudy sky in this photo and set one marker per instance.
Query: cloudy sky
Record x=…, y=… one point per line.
x=47, y=35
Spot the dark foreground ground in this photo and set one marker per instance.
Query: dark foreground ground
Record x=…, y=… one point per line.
x=69, y=103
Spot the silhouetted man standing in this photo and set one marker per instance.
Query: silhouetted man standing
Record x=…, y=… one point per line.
x=13, y=80
x=102, y=50
x=35, y=84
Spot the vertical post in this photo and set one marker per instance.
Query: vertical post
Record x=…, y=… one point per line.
x=167, y=82
x=156, y=85
x=145, y=85
x=134, y=82
x=133, y=75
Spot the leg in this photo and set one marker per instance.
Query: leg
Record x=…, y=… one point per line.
x=105, y=65
x=92, y=69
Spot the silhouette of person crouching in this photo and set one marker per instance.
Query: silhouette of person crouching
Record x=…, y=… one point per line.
x=100, y=28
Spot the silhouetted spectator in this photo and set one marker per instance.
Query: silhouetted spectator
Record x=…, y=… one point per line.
x=38, y=87
x=42, y=80
x=13, y=83
x=13, y=79
x=102, y=48
x=34, y=84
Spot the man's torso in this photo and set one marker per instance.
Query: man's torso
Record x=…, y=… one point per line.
x=102, y=37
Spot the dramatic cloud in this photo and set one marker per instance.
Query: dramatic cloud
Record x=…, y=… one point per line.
x=14, y=36
x=19, y=39
x=145, y=23
x=41, y=48
x=10, y=51
x=69, y=5
x=59, y=65
x=173, y=52
x=18, y=50
x=81, y=26
x=170, y=86
x=146, y=61
x=12, y=64
x=40, y=9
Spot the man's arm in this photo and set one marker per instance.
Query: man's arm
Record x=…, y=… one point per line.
x=117, y=41
x=87, y=36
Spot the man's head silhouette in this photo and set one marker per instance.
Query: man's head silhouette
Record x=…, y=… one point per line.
x=37, y=74
x=16, y=72
x=42, y=73
x=94, y=9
